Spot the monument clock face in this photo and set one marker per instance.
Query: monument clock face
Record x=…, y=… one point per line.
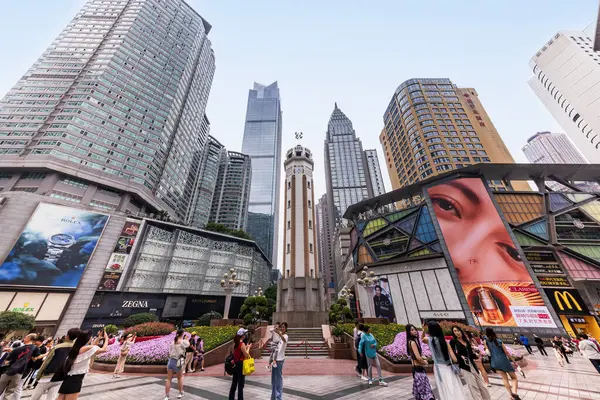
x=298, y=170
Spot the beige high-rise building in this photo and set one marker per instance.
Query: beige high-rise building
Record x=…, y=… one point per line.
x=433, y=126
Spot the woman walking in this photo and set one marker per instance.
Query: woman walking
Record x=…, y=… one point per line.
x=277, y=373
x=466, y=361
x=240, y=353
x=199, y=357
x=421, y=385
x=126, y=344
x=368, y=343
x=475, y=342
x=446, y=371
x=176, y=363
x=560, y=358
x=499, y=360
x=77, y=364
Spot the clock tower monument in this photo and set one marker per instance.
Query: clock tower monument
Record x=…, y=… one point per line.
x=300, y=294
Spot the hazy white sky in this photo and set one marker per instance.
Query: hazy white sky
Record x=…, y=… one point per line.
x=353, y=52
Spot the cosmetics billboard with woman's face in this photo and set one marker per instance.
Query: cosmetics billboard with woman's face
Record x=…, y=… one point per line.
x=490, y=269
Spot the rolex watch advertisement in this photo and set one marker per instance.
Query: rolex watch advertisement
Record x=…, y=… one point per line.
x=54, y=248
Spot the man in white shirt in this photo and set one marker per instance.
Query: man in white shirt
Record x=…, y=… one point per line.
x=277, y=373
x=589, y=351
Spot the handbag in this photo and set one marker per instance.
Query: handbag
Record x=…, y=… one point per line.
x=248, y=366
x=180, y=361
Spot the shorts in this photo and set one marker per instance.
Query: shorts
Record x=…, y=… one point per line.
x=172, y=365
x=72, y=384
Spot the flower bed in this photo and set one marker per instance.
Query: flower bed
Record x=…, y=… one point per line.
x=156, y=351
x=151, y=329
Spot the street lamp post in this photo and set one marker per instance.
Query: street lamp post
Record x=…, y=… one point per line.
x=228, y=283
x=368, y=280
x=476, y=312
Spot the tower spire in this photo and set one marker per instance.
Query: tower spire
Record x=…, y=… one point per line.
x=335, y=107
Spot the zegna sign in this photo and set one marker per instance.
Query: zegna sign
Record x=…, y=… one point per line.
x=135, y=304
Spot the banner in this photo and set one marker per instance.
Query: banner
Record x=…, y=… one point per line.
x=120, y=256
x=567, y=301
x=382, y=300
x=54, y=248
x=490, y=270
x=535, y=256
x=554, y=269
x=554, y=281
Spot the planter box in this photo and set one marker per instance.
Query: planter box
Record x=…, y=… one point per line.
x=399, y=368
x=339, y=345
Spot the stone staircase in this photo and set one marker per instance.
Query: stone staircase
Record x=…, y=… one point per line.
x=314, y=336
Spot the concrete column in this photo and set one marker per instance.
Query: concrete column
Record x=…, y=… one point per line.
x=10, y=183
x=89, y=194
x=48, y=184
x=125, y=198
x=228, y=293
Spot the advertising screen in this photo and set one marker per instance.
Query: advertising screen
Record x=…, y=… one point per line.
x=120, y=257
x=382, y=300
x=498, y=287
x=54, y=248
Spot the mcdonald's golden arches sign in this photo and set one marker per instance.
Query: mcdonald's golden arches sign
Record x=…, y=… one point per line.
x=567, y=301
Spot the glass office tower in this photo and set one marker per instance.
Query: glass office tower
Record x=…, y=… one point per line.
x=262, y=142
x=117, y=100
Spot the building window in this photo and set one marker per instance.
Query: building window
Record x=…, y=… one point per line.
x=309, y=224
x=33, y=175
x=308, y=184
x=289, y=185
x=288, y=248
x=289, y=205
x=289, y=225
x=310, y=247
x=309, y=204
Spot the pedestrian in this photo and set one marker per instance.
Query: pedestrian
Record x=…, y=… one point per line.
x=525, y=342
x=421, y=386
x=475, y=343
x=277, y=373
x=539, y=342
x=499, y=360
x=52, y=363
x=361, y=361
x=589, y=350
x=189, y=354
x=124, y=350
x=240, y=353
x=558, y=344
x=445, y=368
x=77, y=364
x=466, y=361
x=199, y=355
x=17, y=362
x=176, y=363
x=273, y=344
x=32, y=368
x=368, y=344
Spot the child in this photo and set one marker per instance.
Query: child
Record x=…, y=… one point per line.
x=275, y=340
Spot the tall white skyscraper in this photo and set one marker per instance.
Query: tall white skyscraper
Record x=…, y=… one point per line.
x=552, y=148
x=567, y=80
x=374, y=177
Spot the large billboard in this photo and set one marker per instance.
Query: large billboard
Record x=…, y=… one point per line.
x=120, y=257
x=54, y=248
x=382, y=300
x=494, y=278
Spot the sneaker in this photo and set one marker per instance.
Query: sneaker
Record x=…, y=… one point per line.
x=358, y=374
x=202, y=369
x=370, y=382
x=382, y=383
x=180, y=395
x=363, y=378
x=489, y=385
x=166, y=398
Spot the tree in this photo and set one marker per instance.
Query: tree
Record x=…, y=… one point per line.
x=339, y=312
x=111, y=329
x=11, y=321
x=256, y=309
x=141, y=318
x=271, y=292
x=204, y=320
x=211, y=226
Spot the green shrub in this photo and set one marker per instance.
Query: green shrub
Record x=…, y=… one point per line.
x=204, y=320
x=384, y=333
x=141, y=318
x=337, y=331
x=214, y=336
x=11, y=321
x=340, y=312
x=151, y=329
x=111, y=329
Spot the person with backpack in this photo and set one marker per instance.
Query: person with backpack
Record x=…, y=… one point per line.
x=368, y=347
x=34, y=364
x=52, y=363
x=239, y=354
x=17, y=362
x=176, y=363
x=77, y=364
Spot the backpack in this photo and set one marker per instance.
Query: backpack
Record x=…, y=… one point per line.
x=20, y=364
x=230, y=364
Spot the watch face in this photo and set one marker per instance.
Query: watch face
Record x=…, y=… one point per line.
x=62, y=239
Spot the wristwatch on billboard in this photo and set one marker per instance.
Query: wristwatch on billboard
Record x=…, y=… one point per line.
x=57, y=244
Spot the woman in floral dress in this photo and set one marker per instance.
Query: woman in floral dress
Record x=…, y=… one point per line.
x=421, y=385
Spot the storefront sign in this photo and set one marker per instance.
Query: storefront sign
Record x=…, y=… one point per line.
x=554, y=281
x=120, y=256
x=25, y=309
x=532, y=316
x=567, y=301
x=442, y=314
x=535, y=256
x=554, y=269
x=577, y=320
x=135, y=304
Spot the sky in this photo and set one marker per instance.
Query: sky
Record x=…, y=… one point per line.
x=351, y=52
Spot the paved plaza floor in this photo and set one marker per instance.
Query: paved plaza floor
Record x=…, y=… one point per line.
x=321, y=378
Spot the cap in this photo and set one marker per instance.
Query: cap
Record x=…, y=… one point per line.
x=193, y=333
x=242, y=331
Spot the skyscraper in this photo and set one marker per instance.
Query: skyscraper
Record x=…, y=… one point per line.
x=345, y=169
x=232, y=191
x=374, y=177
x=114, y=104
x=566, y=78
x=262, y=142
x=552, y=148
x=324, y=240
x=210, y=163
x=433, y=126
